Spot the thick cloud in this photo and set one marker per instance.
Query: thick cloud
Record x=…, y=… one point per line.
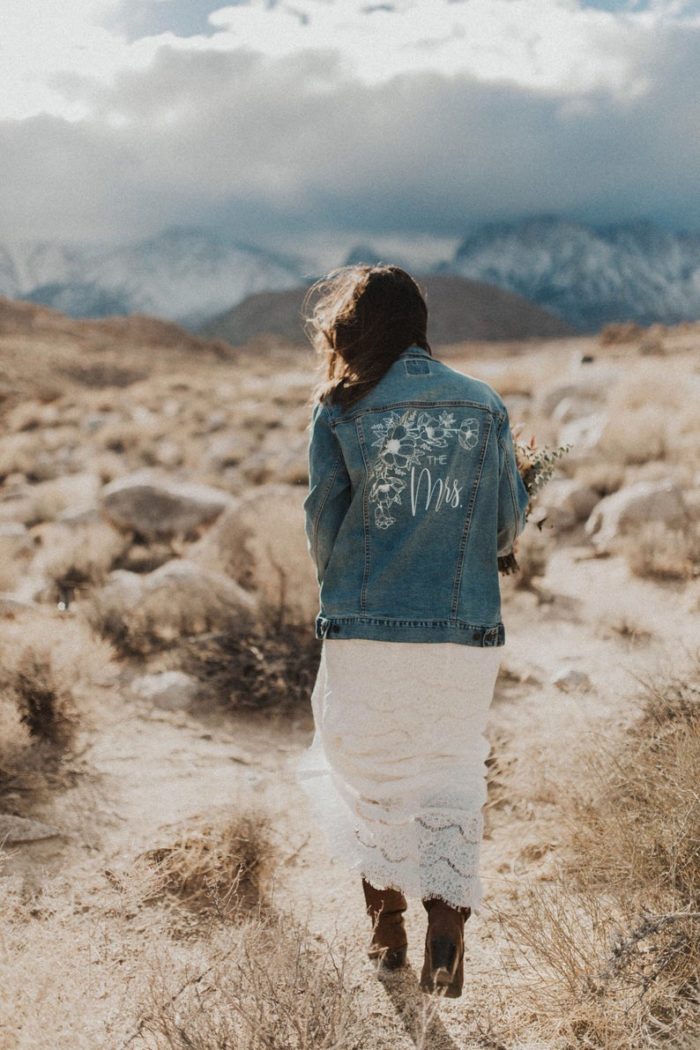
x=283, y=148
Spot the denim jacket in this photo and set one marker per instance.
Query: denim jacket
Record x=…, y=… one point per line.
x=413, y=493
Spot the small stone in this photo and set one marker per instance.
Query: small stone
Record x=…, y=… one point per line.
x=21, y=829
x=570, y=680
x=169, y=690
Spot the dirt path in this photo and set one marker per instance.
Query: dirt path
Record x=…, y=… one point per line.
x=155, y=768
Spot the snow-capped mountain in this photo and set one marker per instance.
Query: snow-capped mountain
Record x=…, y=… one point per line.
x=184, y=274
x=588, y=275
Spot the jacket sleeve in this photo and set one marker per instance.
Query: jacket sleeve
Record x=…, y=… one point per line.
x=512, y=495
x=329, y=492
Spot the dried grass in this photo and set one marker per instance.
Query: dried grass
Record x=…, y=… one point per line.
x=48, y=666
x=609, y=952
x=654, y=551
x=277, y=988
x=215, y=870
x=78, y=558
x=257, y=669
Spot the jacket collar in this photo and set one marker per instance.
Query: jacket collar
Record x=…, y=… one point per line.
x=414, y=351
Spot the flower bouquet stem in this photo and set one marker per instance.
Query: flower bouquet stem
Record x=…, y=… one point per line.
x=535, y=466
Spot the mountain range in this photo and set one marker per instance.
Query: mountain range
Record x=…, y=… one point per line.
x=586, y=275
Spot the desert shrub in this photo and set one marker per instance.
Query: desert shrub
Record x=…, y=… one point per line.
x=604, y=476
x=625, y=628
x=76, y=559
x=258, y=669
x=636, y=435
x=653, y=416
x=654, y=551
x=216, y=870
x=277, y=988
x=610, y=950
x=46, y=669
x=620, y=332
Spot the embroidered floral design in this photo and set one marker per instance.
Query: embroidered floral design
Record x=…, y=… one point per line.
x=403, y=440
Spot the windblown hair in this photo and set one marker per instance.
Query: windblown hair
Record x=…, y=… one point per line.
x=362, y=318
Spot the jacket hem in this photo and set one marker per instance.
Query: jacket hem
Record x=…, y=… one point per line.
x=390, y=629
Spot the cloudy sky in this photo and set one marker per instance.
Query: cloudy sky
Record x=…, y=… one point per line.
x=304, y=125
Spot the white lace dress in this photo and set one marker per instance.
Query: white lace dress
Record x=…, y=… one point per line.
x=396, y=771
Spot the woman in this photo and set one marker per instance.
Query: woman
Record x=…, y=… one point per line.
x=413, y=494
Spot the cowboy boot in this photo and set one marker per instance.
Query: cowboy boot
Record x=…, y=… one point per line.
x=443, y=967
x=389, y=942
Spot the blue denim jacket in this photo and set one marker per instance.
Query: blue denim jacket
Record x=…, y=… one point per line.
x=413, y=493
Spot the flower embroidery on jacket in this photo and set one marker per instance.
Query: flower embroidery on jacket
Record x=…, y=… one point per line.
x=403, y=441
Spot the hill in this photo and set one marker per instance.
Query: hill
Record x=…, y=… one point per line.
x=459, y=309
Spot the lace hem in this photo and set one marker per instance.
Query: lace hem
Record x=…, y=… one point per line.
x=425, y=849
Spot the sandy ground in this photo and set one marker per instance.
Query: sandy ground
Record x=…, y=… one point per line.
x=151, y=769
x=139, y=772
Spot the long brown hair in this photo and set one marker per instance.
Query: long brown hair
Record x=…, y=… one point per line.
x=362, y=318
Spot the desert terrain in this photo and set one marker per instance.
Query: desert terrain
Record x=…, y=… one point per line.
x=162, y=885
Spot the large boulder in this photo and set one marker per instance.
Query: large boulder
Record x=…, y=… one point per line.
x=565, y=502
x=261, y=544
x=170, y=690
x=155, y=505
x=181, y=598
x=591, y=387
x=16, y=552
x=633, y=506
x=75, y=494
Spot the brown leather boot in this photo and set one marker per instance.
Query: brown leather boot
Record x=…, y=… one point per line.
x=443, y=968
x=389, y=942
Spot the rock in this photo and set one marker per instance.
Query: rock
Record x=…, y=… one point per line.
x=584, y=433
x=261, y=544
x=226, y=450
x=47, y=500
x=594, y=387
x=167, y=454
x=169, y=690
x=21, y=829
x=574, y=407
x=11, y=603
x=632, y=506
x=179, y=598
x=17, y=552
x=569, y=680
x=565, y=502
x=94, y=421
x=154, y=505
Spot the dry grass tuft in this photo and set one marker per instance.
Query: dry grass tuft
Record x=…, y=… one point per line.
x=625, y=628
x=216, y=871
x=78, y=559
x=610, y=952
x=656, y=552
x=277, y=988
x=255, y=669
x=47, y=667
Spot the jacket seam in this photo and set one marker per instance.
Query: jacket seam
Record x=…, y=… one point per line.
x=365, y=518
x=511, y=486
x=457, y=586
x=322, y=503
x=413, y=403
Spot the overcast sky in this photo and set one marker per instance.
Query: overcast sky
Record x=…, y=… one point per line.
x=313, y=123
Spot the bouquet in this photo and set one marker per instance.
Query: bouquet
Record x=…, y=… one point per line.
x=535, y=466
